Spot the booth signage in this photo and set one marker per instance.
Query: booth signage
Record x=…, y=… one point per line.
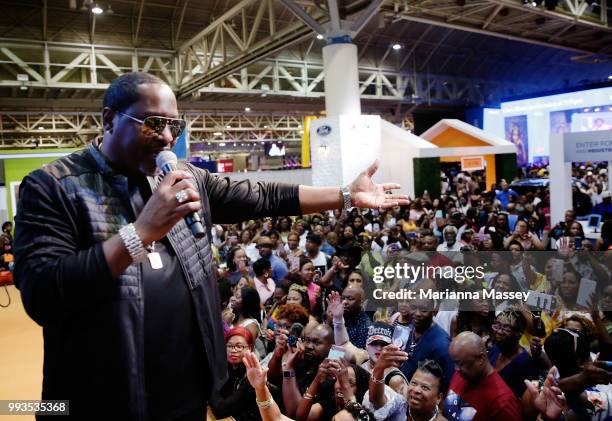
x=472, y=163
x=225, y=165
x=588, y=146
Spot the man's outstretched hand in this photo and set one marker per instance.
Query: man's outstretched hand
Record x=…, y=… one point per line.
x=367, y=194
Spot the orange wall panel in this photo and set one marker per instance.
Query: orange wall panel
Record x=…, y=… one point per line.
x=453, y=138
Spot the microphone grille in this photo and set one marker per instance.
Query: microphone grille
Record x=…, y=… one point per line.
x=165, y=158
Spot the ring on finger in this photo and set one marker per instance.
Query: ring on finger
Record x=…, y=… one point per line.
x=181, y=196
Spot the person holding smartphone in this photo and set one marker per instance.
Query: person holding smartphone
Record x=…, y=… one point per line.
x=301, y=365
x=349, y=384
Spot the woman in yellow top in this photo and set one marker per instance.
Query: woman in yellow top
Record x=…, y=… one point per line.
x=408, y=225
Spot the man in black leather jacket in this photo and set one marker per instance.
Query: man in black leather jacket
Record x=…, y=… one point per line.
x=126, y=336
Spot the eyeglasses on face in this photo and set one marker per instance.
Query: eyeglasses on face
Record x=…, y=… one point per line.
x=158, y=124
x=507, y=329
x=236, y=347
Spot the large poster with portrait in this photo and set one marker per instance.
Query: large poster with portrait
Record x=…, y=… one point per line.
x=516, y=132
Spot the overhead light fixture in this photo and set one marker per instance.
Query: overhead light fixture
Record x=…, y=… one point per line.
x=610, y=77
x=41, y=128
x=397, y=46
x=247, y=109
x=234, y=144
x=222, y=144
x=109, y=10
x=319, y=36
x=265, y=88
x=209, y=143
x=23, y=88
x=97, y=10
x=217, y=134
x=228, y=127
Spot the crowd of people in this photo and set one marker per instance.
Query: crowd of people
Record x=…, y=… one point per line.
x=306, y=339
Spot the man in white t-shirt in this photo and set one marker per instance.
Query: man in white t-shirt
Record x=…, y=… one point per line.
x=313, y=252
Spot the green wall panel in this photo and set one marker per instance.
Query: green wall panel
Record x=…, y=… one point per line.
x=15, y=169
x=427, y=176
x=505, y=167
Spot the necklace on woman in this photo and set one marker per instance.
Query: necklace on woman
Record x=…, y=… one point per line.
x=433, y=417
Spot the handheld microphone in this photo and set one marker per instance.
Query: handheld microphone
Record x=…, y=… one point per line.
x=167, y=162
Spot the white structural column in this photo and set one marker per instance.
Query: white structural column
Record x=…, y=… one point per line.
x=341, y=79
x=560, y=180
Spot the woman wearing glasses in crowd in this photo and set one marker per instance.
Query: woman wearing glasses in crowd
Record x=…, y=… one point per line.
x=424, y=393
x=237, y=397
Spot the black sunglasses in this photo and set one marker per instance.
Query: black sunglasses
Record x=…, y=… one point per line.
x=158, y=124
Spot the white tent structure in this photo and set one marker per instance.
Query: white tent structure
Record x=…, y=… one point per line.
x=345, y=146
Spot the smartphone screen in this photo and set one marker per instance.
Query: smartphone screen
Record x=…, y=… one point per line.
x=577, y=243
x=336, y=353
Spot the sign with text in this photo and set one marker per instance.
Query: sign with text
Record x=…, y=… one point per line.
x=472, y=163
x=225, y=165
x=588, y=146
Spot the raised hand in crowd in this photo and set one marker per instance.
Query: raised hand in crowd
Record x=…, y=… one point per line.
x=339, y=368
x=549, y=400
x=228, y=315
x=334, y=305
x=257, y=377
x=391, y=356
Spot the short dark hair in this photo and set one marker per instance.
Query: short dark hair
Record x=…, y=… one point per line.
x=565, y=351
x=123, y=91
x=260, y=266
x=432, y=368
x=314, y=238
x=251, y=307
x=516, y=243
